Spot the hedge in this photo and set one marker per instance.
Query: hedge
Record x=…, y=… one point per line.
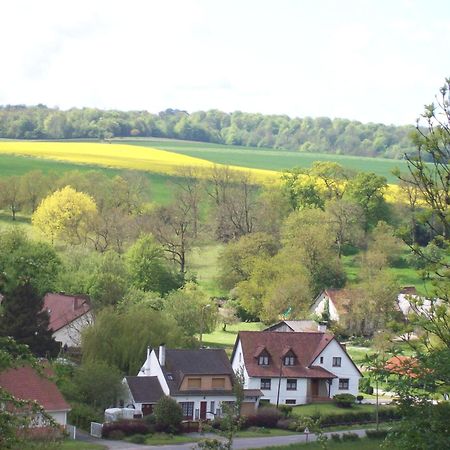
x=127, y=427
x=264, y=417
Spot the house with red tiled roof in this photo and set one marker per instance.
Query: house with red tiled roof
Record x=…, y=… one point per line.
x=294, y=367
x=336, y=301
x=200, y=380
x=402, y=365
x=69, y=315
x=25, y=383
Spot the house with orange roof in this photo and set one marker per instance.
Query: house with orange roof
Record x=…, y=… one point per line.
x=69, y=315
x=336, y=301
x=294, y=368
x=25, y=383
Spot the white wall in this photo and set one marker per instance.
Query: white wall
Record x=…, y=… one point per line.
x=347, y=369
x=197, y=399
x=319, y=307
x=300, y=395
x=60, y=417
x=71, y=333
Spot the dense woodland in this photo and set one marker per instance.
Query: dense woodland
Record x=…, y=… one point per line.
x=312, y=135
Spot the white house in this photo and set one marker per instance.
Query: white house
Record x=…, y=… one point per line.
x=293, y=325
x=336, y=301
x=69, y=315
x=294, y=367
x=199, y=380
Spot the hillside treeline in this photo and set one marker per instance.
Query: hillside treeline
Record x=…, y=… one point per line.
x=319, y=135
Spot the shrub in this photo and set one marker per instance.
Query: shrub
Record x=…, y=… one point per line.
x=285, y=424
x=349, y=437
x=265, y=417
x=137, y=439
x=286, y=410
x=127, y=427
x=364, y=386
x=168, y=415
x=377, y=434
x=117, y=435
x=82, y=415
x=344, y=400
x=360, y=398
x=336, y=437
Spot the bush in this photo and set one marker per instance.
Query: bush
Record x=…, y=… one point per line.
x=117, y=435
x=265, y=417
x=127, y=427
x=349, y=437
x=286, y=424
x=377, y=434
x=137, y=439
x=286, y=410
x=360, y=398
x=364, y=386
x=168, y=415
x=344, y=400
x=336, y=437
x=82, y=415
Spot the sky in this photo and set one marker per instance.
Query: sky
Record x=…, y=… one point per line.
x=372, y=61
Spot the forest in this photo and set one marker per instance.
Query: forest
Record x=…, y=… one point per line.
x=309, y=135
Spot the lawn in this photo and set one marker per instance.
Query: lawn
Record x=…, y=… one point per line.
x=79, y=445
x=260, y=158
x=329, y=409
x=360, y=444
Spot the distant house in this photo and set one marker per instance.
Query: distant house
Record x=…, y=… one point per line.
x=402, y=365
x=294, y=367
x=199, y=380
x=410, y=302
x=69, y=315
x=336, y=301
x=25, y=383
x=296, y=325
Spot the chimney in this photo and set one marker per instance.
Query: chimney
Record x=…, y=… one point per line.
x=162, y=355
x=322, y=327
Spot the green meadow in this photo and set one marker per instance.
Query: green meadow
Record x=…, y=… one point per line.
x=268, y=158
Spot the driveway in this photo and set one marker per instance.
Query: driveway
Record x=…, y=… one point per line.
x=238, y=443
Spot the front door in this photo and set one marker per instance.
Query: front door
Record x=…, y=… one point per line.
x=315, y=388
x=147, y=409
x=203, y=410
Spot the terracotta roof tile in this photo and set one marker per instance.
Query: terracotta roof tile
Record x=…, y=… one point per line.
x=64, y=309
x=306, y=346
x=26, y=384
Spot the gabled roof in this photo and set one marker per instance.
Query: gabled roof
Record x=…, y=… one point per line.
x=26, y=384
x=295, y=325
x=306, y=347
x=64, y=309
x=205, y=361
x=339, y=297
x=145, y=389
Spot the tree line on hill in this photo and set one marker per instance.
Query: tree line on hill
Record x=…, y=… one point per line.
x=310, y=135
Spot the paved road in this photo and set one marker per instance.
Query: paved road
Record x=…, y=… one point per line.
x=239, y=443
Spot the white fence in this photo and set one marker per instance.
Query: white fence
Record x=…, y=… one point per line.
x=96, y=429
x=71, y=431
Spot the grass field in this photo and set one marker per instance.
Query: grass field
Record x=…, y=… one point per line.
x=268, y=158
x=121, y=156
x=360, y=444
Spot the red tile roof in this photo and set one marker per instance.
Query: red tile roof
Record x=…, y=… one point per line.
x=402, y=365
x=340, y=298
x=26, y=384
x=64, y=309
x=306, y=347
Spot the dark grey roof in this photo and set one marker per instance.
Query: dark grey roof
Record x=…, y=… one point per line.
x=145, y=389
x=205, y=361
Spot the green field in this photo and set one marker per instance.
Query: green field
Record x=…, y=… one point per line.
x=360, y=444
x=268, y=158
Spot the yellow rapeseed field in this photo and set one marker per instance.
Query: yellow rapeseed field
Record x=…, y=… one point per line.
x=121, y=156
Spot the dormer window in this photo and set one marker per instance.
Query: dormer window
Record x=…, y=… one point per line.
x=289, y=360
x=263, y=360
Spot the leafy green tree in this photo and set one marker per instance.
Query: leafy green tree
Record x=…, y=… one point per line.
x=24, y=319
x=120, y=337
x=148, y=269
x=11, y=195
x=367, y=190
x=22, y=259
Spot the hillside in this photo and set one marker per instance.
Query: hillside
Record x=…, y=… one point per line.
x=279, y=132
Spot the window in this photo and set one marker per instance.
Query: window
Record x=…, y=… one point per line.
x=194, y=383
x=343, y=383
x=321, y=360
x=289, y=360
x=265, y=383
x=291, y=384
x=188, y=409
x=337, y=361
x=212, y=405
x=291, y=401
x=263, y=360
x=218, y=383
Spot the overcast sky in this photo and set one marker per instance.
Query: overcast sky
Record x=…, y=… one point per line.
x=378, y=61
